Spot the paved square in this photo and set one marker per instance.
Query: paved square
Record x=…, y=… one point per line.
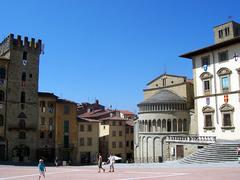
x=127, y=172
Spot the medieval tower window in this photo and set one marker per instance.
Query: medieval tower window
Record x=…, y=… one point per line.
x=22, y=97
x=1, y=95
x=2, y=73
x=25, y=55
x=23, y=78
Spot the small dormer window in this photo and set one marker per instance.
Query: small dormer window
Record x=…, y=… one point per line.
x=220, y=33
x=226, y=31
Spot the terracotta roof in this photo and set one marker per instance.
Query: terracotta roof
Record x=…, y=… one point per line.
x=87, y=119
x=126, y=112
x=117, y=118
x=95, y=113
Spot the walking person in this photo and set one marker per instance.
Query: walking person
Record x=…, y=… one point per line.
x=238, y=153
x=100, y=163
x=111, y=161
x=56, y=161
x=41, y=168
x=238, y=150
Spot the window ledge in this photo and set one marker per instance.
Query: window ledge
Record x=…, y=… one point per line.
x=209, y=128
x=228, y=127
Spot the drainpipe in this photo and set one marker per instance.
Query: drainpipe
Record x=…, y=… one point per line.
x=215, y=87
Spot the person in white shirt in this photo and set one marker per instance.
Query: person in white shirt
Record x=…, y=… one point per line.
x=111, y=160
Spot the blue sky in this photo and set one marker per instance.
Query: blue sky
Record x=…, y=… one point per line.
x=110, y=49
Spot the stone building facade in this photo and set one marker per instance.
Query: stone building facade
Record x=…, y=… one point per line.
x=165, y=111
x=216, y=73
x=88, y=141
x=19, y=61
x=46, y=126
x=66, y=131
x=116, y=137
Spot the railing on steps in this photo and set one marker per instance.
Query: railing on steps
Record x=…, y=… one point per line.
x=192, y=139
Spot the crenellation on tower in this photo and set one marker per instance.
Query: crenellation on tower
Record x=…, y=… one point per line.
x=12, y=42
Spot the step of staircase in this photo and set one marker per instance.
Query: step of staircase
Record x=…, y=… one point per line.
x=223, y=151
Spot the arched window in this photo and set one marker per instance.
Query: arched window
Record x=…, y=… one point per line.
x=145, y=126
x=174, y=125
x=1, y=120
x=185, y=126
x=159, y=125
x=149, y=126
x=2, y=73
x=169, y=125
x=154, y=126
x=180, y=125
x=2, y=95
x=164, y=125
x=22, y=97
x=22, y=124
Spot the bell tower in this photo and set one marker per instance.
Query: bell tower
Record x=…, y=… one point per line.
x=21, y=96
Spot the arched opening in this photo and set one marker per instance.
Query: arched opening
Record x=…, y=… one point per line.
x=169, y=125
x=174, y=125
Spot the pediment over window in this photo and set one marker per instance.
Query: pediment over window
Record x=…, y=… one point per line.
x=207, y=109
x=22, y=115
x=223, y=71
x=206, y=75
x=226, y=107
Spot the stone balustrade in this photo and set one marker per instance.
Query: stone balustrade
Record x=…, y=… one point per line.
x=192, y=139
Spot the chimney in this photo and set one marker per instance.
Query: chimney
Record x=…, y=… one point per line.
x=97, y=101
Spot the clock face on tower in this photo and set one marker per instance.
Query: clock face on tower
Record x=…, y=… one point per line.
x=24, y=62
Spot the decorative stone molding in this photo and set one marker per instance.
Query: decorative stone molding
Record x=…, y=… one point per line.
x=223, y=71
x=206, y=75
x=208, y=109
x=226, y=107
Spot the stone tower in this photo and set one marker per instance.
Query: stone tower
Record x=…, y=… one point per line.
x=20, y=97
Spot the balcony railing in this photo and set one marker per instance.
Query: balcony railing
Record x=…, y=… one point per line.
x=192, y=139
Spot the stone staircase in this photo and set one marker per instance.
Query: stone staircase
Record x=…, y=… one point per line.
x=213, y=153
